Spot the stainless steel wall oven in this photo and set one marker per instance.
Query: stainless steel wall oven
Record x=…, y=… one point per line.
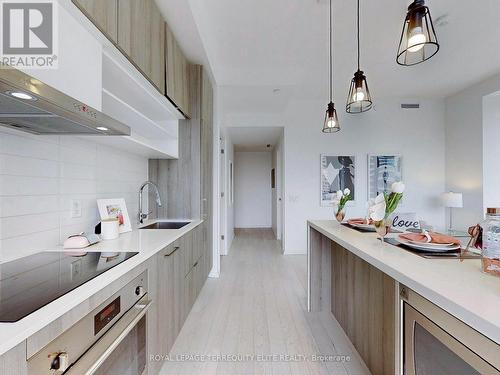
x=109, y=340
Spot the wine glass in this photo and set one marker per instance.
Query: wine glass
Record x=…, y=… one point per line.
x=382, y=228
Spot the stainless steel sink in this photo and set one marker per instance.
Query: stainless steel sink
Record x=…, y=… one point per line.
x=167, y=225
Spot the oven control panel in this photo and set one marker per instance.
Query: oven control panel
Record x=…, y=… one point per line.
x=106, y=315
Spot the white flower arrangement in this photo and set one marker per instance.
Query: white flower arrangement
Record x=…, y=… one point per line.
x=341, y=198
x=384, y=205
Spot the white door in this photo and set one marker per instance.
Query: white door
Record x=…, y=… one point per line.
x=279, y=192
x=222, y=197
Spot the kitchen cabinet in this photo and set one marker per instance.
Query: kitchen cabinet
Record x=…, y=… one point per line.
x=103, y=14
x=207, y=165
x=141, y=36
x=170, y=281
x=137, y=28
x=188, y=181
x=157, y=51
x=177, y=73
x=363, y=300
x=14, y=362
x=179, y=279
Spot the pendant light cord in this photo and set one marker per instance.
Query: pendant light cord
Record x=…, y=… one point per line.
x=331, y=58
x=358, y=34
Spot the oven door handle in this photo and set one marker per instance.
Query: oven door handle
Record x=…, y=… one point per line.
x=90, y=362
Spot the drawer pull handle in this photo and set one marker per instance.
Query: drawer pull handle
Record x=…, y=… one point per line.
x=175, y=249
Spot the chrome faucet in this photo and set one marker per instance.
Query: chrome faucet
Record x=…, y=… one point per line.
x=142, y=215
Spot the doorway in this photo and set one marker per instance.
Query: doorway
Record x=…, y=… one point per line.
x=252, y=176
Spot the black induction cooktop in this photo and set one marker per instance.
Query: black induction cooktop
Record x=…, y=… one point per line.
x=29, y=283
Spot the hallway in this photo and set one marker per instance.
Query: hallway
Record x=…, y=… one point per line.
x=258, y=307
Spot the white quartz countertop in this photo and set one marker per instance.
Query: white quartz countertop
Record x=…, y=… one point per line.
x=146, y=242
x=457, y=287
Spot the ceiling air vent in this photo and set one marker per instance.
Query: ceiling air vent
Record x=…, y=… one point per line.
x=410, y=106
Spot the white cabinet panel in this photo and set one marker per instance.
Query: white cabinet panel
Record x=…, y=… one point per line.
x=79, y=72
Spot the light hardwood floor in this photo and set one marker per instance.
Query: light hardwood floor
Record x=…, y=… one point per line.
x=258, y=306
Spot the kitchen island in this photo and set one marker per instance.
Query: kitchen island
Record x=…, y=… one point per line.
x=360, y=280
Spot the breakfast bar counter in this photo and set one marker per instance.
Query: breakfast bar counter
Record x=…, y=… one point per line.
x=359, y=279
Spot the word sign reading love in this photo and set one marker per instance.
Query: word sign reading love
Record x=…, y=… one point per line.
x=405, y=221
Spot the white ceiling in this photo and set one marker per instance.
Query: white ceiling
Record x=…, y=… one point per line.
x=254, y=138
x=254, y=46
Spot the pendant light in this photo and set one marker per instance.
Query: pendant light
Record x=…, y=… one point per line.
x=418, y=39
x=331, y=124
x=359, y=98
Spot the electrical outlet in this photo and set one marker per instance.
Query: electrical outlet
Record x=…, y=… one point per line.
x=76, y=208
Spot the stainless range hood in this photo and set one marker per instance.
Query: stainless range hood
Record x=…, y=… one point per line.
x=30, y=105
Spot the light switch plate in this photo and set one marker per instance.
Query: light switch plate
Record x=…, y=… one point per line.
x=76, y=208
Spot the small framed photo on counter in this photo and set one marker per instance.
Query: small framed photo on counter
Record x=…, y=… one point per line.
x=115, y=208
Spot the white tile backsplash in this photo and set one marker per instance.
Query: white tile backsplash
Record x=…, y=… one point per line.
x=40, y=176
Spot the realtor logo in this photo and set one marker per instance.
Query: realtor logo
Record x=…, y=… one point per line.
x=29, y=33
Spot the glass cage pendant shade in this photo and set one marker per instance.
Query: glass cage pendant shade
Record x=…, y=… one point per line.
x=418, y=41
x=331, y=124
x=359, y=98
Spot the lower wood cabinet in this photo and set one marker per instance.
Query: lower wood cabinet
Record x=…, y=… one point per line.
x=181, y=274
x=364, y=302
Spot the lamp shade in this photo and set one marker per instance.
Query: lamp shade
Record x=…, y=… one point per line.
x=454, y=200
x=359, y=98
x=331, y=124
x=418, y=40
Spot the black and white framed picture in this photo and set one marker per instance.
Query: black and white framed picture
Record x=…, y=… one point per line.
x=383, y=171
x=338, y=172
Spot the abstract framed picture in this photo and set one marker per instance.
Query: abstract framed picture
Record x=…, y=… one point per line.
x=383, y=171
x=115, y=208
x=338, y=172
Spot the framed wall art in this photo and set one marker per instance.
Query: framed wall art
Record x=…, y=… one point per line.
x=338, y=172
x=383, y=171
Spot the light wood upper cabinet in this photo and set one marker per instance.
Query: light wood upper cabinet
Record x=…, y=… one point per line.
x=138, y=29
x=103, y=14
x=177, y=73
x=157, y=48
x=141, y=36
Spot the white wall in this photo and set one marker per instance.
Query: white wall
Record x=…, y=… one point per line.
x=491, y=151
x=40, y=175
x=252, y=189
x=418, y=135
x=464, y=149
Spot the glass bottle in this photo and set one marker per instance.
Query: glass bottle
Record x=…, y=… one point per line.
x=491, y=242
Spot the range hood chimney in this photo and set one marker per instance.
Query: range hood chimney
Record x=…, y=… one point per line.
x=30, y=105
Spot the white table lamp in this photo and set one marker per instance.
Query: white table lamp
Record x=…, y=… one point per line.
x=452, y=200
